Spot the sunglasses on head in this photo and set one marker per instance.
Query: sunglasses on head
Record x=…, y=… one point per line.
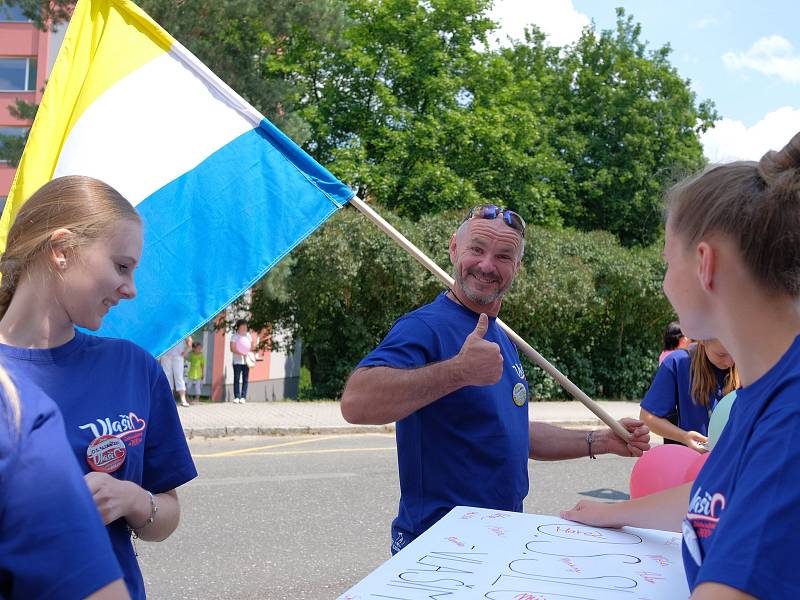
x=491, y=211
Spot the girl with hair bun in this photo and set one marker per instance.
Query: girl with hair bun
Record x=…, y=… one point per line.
x=732, y=249
x=70, y=258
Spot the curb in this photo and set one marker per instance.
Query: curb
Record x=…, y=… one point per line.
x=215, y=432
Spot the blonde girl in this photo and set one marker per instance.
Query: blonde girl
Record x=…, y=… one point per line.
x=70, y=258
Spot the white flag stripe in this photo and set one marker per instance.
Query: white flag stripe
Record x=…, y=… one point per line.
x=168, y=132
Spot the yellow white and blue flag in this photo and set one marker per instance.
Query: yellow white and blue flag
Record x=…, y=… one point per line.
x=223, y=193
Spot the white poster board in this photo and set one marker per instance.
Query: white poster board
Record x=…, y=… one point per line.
x=479, y=553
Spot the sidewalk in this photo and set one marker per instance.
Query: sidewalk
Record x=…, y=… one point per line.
x=291, y=418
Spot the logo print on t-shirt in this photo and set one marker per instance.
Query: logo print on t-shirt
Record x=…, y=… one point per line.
x=519, y=370
x=399, y=542
x=128, y=427
x=705, y=511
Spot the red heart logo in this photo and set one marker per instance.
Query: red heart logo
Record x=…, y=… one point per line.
x=137, y=424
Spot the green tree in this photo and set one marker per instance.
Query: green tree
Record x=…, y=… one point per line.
x=379, y=114
x=45, y=14
x=627, y=126
x=265, y=54
x=499, y=138
x=592, y=307
x=413, y=115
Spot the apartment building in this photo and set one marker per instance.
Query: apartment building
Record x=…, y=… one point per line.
x=27, y=55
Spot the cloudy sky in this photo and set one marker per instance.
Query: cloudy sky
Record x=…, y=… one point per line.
x=743, y=55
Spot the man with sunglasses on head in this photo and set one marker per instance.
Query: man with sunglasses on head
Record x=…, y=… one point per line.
x=453, y=381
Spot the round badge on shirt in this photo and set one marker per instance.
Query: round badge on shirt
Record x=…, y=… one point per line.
x=520, y=394
x=106, y=454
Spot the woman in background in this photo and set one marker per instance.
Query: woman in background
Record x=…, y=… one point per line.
x=673, y=340
x=685, y=390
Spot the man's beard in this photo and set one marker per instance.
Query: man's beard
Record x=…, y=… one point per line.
x=480, y=299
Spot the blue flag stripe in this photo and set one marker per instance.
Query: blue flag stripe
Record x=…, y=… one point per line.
x=217, y=229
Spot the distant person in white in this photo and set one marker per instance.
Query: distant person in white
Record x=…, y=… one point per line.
x=172, y=363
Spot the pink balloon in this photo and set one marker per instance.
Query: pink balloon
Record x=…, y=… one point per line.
x=661, y=468
x=243, y=345
x=694, y=468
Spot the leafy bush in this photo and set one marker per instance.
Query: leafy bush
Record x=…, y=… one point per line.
x=592, y=307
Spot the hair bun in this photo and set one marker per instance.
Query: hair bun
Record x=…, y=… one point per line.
x=783, y=165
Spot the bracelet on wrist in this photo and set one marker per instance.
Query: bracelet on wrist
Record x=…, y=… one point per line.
x=589, y=440
x=136, y=531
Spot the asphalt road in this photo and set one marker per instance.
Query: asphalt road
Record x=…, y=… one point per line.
x=307, y=517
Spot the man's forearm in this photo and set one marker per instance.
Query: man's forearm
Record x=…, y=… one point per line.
x=380, y=395
x=548, y=442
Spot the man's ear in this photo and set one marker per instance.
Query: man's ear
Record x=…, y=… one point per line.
x=707, y=260
x=453, y=248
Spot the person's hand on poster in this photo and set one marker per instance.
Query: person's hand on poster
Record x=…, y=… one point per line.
x=596, y=514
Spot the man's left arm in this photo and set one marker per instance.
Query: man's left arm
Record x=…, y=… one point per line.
x=548, y=442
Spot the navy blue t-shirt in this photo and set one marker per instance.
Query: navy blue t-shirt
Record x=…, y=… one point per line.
x=52, y=540
x=671, y=388
x=467, y=448
x=740, y=527
x=107, y=386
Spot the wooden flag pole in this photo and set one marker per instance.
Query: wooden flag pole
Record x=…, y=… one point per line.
x=526, y=348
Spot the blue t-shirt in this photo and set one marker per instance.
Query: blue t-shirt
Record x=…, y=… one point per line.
x=52, y=540
x=672, y=387
x=469, y=447
x=107, y=386
x=740, y=526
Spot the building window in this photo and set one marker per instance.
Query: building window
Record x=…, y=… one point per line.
x=3, y=203
x=11, y=139
x=17, y=74
x=12, y=13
